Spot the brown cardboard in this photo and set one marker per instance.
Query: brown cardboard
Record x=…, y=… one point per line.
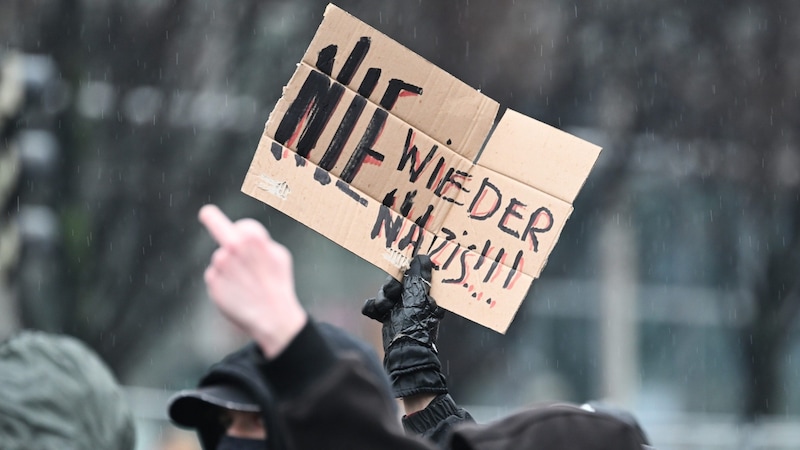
x=550, y=160
x=388, y=177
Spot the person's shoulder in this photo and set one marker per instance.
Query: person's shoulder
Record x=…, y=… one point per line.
x=67, y=372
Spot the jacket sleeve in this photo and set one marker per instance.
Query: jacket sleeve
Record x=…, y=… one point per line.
x=333, y=402
x=437, y=420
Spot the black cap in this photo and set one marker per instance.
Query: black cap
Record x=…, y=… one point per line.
x=192, y=408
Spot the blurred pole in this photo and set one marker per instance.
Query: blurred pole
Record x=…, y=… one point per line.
x=12, y=96
x=618, y=327
x=30, y=96
x=41, y=270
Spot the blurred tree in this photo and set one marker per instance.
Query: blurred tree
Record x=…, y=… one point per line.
x=170, y=97
x=717, y=81
x=168, y=102
x=147, y=139
x=12, y=96
x=728, y=86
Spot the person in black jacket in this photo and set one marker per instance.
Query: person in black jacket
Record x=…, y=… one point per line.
x=322, y=399
x=326, y=400
x=234, y=406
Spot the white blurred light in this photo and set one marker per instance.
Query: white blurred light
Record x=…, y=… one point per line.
x=95, y=99
x=203, y=109
x=209, y=109
x=38, y=224
x=38, y=150
x=142, y=104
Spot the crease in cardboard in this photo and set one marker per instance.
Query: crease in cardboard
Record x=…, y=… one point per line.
x=500, y=113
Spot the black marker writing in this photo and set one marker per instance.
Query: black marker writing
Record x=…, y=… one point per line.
x=311, y=110
x=410, y=152
x=532, y=228
x=391, y=228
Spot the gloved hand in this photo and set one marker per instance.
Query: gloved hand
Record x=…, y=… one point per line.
x=410, y=319
x=406, y=310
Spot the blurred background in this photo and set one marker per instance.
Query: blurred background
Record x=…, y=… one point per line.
x=673, y=291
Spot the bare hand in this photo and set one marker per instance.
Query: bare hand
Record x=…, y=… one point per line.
x=251, y=281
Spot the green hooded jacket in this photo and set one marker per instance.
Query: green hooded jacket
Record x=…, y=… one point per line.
x=56, y=393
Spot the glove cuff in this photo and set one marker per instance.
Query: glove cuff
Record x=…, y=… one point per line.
x=439, y=410
x=414, y=369
x=419, y=337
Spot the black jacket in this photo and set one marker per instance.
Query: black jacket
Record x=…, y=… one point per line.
x=333, y=401
x=337, y=403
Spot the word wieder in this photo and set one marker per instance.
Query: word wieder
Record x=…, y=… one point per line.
x=484, y=204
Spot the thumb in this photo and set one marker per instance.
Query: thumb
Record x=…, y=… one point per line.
x=420, y=266
x=378, y=308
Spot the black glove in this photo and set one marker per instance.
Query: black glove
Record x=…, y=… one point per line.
x=417, y=316
x=410, y=319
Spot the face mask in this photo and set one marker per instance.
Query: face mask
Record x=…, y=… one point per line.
x=234, y=443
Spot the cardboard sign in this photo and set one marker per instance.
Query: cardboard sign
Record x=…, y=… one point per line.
x=377, y=149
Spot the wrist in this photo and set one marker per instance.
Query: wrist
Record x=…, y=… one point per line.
x=416, y=403
x=274, y=338
x=300, y=365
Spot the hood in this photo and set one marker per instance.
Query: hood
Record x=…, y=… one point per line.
x=56, y=393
